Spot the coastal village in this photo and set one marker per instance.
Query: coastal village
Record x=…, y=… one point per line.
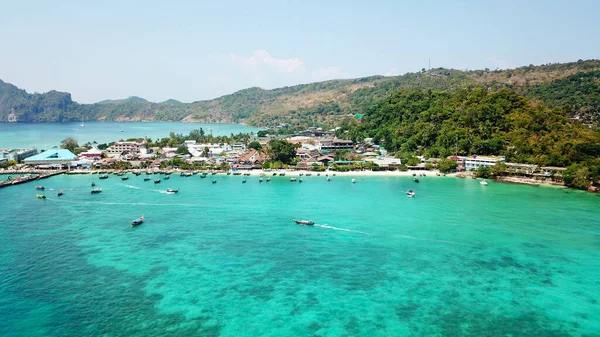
x=314, y=150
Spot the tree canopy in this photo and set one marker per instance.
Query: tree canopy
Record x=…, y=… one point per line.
x=282, y=151
x=69, y=143
x=465, y=122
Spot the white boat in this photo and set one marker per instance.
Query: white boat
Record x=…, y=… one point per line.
x=411, y=193
x=82, y=124
x=353, y=181
x=483, y=182
x=172, y=191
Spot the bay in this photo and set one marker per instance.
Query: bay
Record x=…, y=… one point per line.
x=47, y=135
x=225, y=259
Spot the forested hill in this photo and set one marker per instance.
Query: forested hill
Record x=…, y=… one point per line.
x=573, y=87
x=468, y=121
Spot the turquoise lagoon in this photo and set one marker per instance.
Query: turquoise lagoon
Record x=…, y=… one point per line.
x=225, y=259
x=46, y=135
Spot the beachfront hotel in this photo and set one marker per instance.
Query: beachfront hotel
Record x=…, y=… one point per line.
x=474, y=162
x=119, y=148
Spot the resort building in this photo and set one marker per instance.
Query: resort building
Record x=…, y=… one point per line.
x=251, y=157
x=385, y=161
x=549, y=170
x=521, y=168
x=19, y=154
x=119, y=148
x=53, y=157
x=91, y=154
x=335, y=144
x=474, y=162
x=238, y=147
x=3, y=157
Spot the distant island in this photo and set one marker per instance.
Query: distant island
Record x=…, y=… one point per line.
x=573, y=87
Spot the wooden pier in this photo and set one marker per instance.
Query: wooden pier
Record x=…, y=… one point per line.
x=21, y=180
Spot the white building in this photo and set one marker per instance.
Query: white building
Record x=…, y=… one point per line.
x=239, y=147
x=385, y=162
x=474, y=162
x=118, y=148
x=335, y=144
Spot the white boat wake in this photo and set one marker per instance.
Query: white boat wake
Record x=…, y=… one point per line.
x=434, y=240
x=143, y=189
x=123, y=203
x=342, y=229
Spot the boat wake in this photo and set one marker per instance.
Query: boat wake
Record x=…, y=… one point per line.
x=342, y=229
x=143, y=189
x=434, y=240
x=124, y=203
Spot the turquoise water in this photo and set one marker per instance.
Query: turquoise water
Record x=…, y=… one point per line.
x=46, y=135
x=225, y=259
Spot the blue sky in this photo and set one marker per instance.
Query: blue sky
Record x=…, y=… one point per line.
x=193, y=50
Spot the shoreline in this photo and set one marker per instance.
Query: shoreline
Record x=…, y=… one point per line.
x=300, y=173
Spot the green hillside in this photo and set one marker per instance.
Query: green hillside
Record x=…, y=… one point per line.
x=572, y=86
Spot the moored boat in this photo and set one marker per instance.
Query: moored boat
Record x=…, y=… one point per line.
x=416, y=180
x=268, y=179
x=147, y=178
x=157, y=181
x=96, y=190
x=274, y=174
x=166, y=178
x=282, y=174
x=411, y=193
x=292, y=179
x=60, y=193
x=124, y=178
x=41, y=188
x=353, y=180
x=300, y=180
x=137, y=221
x=41, y=196
x=483, y=182
x=304, y=222
x=244, y=181
x=260, y=180
x=214, y=181
x=93, y=184
x=104, y=176
x=172, y=191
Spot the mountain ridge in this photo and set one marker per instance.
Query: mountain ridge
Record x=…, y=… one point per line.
x=319, y=103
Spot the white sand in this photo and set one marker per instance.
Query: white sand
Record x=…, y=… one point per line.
x=296, y=173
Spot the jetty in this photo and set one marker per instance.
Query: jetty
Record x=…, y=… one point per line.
x=31, y=176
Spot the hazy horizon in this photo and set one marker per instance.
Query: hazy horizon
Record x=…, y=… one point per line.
x=190, y=52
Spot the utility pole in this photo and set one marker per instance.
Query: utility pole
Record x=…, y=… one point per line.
x=429, y=69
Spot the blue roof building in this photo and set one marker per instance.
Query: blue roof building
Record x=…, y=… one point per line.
x=51, y=157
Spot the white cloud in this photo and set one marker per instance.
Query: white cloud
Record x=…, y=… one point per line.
x=498, y=63
x=328, y=73
x=262, y=58
x=391, y=72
